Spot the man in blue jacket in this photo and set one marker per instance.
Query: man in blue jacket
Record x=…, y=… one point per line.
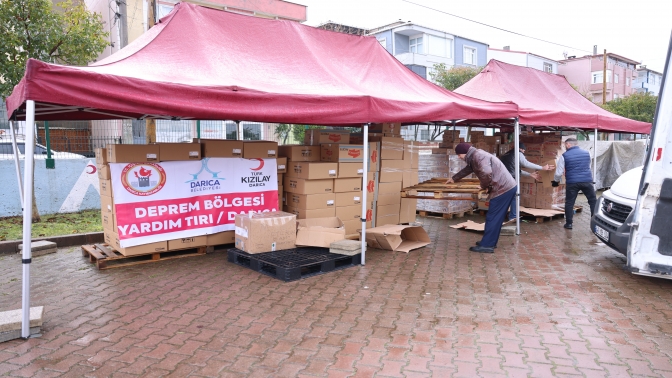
x=575, y=164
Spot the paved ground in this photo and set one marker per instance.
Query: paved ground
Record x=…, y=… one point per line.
x=550, y=303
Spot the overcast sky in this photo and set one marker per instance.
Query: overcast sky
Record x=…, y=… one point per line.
x=639, y=30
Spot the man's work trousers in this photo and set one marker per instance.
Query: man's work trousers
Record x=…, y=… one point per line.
x=495, y=218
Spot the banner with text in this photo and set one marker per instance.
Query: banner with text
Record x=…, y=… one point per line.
x=179, y=199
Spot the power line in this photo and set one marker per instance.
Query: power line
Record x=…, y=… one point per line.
x=494, y=27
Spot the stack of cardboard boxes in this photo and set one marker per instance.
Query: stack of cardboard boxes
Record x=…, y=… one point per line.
x=324, y=177
x=542, y=149
x=161, y=152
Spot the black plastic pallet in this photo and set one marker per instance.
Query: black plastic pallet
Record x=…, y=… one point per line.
x=293, y=264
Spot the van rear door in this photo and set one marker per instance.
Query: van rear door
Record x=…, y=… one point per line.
x=650, y=245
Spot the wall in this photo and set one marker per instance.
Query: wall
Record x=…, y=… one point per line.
x=577, y=72
x=511, y=57
x=388, y=39
x=481, y=51
x=536, y=62
x=71, y=187
x=401, y=44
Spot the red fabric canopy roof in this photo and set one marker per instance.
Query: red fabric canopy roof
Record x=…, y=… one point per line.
x=545, y=99
x=203, y=63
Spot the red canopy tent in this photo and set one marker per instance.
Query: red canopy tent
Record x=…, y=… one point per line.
x=545, y=99
x=203, y=63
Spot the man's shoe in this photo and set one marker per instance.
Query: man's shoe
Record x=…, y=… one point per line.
x=509, y=221
x=568, y=226
x=480, y=249
x=479, y=243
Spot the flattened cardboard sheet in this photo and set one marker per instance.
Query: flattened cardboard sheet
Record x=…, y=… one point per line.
x=470, y=225
x=398, y=238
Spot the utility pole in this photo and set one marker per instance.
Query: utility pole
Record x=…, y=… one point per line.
x=123, y=23
x=604, y=79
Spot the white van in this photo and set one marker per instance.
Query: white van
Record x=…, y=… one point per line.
x=650, y=245
x=613, y=212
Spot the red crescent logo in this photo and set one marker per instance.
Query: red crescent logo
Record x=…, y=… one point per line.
x=93, y=169
x=261, y=164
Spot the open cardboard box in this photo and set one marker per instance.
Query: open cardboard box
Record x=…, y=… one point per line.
x=398, y=238
x=319, y=232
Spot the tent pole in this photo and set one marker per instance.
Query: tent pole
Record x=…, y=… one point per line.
x=516, y=147
x=15, y=149
x=365, y=168
x=239, y=130
x=595, y=160
x=27, y=215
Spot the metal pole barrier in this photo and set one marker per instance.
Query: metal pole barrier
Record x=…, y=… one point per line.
x=51, y=163
x=595, y=160
x=198, y=131
x=17, y=164
x=365, y=167
x=516, y=144
x=27, y=215
x=239, y=131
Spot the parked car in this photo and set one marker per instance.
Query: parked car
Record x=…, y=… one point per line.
x=7, y=151
x=613, y=213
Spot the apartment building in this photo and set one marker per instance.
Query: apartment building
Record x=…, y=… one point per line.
x=586, y=74
x=523, y=59
x=648, y=81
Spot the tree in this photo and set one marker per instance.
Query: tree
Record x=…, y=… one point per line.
x=637, y=106
x=453, y=78
x=33, y=29
x=282, y=131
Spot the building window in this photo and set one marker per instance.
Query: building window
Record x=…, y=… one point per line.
x=548, y=67
x=615, y=78
x=416, y=45
x=627, y=81
x=469, y=56
x=597, y=77
x=251, y=130
x=383, y=42
x=164, y=9
x=653, y=79
x=437, y=46
x=424, y=134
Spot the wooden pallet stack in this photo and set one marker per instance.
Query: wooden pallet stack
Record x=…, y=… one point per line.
x=438, y=198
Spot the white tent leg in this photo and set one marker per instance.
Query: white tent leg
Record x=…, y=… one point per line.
x=595, y=160
x=239, y=130
x=516, y=144
x=15, y=149
x=365, y=167
x=27, y=216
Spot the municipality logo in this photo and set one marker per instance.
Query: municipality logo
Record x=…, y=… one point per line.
x=143, y=179
x=201, y=184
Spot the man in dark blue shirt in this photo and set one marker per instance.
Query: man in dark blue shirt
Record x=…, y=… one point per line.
x=575, y=164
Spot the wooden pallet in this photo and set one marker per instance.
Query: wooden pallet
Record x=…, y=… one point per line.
x=469, y=188
x=459, y=214
x=105, y=257
x=538, y=219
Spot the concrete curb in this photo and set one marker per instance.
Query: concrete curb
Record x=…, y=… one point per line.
x=12, y=246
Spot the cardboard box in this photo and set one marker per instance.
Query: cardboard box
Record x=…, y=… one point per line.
x=547, y=177
x=388, y=199
x=311, y=201
x=105, y=188
x=374, y=157
x=409, y=178
x=282, y=164
x=371, y=185
x=315, y=137
x=300, y=153
x=382, y=220
x=390, y=148
x=112, y=239
x=342, y=153
x=311, y=213
x=226, y=237
x=397, y=238
x=411, y=154
x=392, y=170
x=109, y=221
x=101, y=156
x=528, y=201
x=353, y=227
x=281, y=197
x=303, y=186
x=104, y=172
x=350, y=170
x=346, y=213
x=342, y=185
x=407, y=211
x=389, y=188
x=386, y=128
x=185, y=243
x=351, y=199
x=484, y=204
x=106, y=205
x=312, y=170
x=319, y=232
x=133, y=153
x=221, y=148
x=265, y=232
x=179, y=151
x=281, y=179
x=260, y=149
